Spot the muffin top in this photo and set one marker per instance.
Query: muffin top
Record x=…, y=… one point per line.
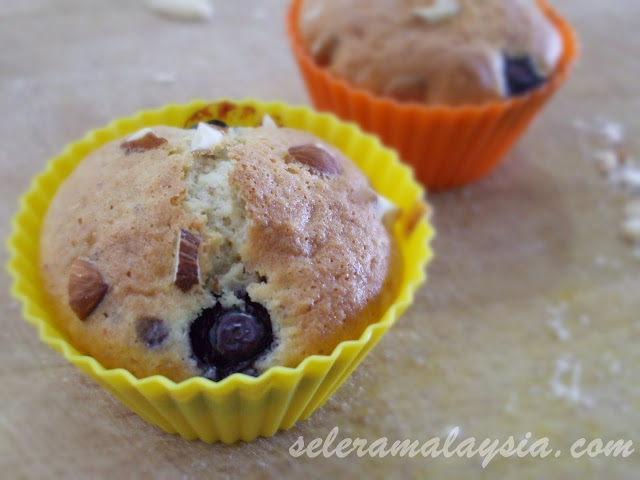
x=213, y=251
x=450, y=52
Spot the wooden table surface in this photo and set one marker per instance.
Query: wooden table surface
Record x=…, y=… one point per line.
x=530, y=321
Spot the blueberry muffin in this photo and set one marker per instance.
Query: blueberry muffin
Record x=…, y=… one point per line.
x=449, y=52
x=216, y=250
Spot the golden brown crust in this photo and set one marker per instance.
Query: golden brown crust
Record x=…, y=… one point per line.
x=389, y=48
x=313, y=239
x=316, y=238
x=123, y=213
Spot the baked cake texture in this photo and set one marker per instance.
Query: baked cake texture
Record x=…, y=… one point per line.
x=210, y=251
x=450, y=52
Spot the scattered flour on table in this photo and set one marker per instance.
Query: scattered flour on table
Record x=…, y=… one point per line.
x=556, y=320
x=565, y=377
x=565, y=382
x=603, y=143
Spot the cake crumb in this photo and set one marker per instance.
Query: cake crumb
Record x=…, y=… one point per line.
x=603, y=142
x=556, y=322
x=606, y=161
x=601, y=129
x=186, y=10
x=163, y=77
x=565, y=382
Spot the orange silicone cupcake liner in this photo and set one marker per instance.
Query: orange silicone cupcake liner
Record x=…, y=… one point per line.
x=447, y=146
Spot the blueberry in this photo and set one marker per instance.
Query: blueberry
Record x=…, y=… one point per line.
x=521, y=75
x=237, y=335
x=215, y=123
x=151, y=331
x=218, y=123
x=199, y=335
x=225, y=341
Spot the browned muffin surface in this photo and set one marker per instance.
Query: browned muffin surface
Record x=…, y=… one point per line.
x=183, y=253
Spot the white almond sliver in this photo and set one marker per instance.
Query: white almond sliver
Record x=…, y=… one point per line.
x=384, y=206
x=439, y=11
x=206, y=137
x=139, y=134
x=191, y=10
x=267, y=121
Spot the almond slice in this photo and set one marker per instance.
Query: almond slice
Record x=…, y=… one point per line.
x=407, y=88
x=86, y=287
x=317, y=158
x=324, y=49
x=417, y=212
x=143, y=140
x=440, y=10
x=206, y=137
x=386, y=211
x=188, y=269
x=268, y=121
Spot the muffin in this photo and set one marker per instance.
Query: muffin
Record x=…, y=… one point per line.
x=216, y=250
x=451, y=52
x=450, y=84
x=239, y=407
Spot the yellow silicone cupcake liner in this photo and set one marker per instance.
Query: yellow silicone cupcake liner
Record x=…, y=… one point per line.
x=239, y=407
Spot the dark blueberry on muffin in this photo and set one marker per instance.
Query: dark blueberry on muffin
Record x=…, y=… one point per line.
x=214, y=123
x=227, y=340
x=521, y=76
x=152, y=331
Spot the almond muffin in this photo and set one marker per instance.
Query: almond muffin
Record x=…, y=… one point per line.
x=451, y=52
x=216, y=250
